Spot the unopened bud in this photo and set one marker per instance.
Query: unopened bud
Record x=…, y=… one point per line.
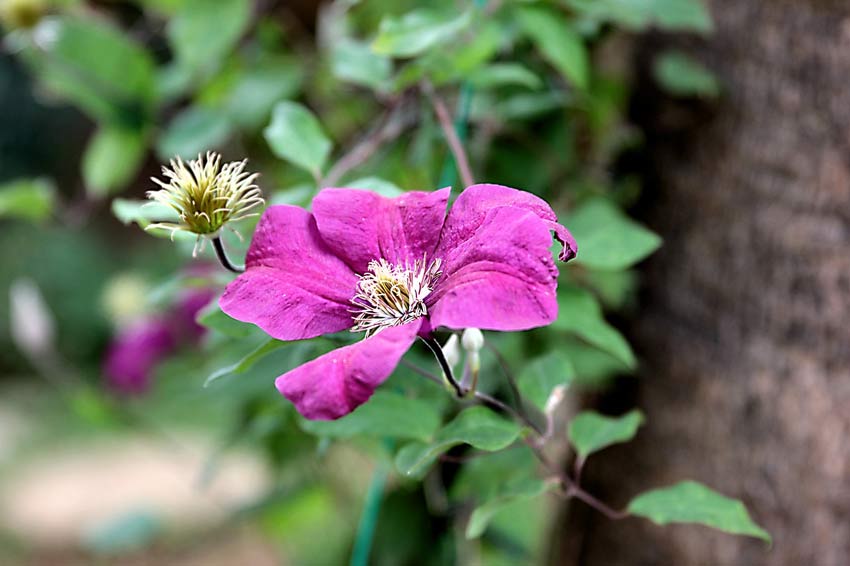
x=451, y=350
x=472, y=340
x=555, y=399
x=31, y=322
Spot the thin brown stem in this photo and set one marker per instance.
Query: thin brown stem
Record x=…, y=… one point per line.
x=609, y=512
x=394, y=122
x=455, y=145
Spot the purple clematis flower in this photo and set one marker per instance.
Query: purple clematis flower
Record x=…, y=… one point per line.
x=393, y=268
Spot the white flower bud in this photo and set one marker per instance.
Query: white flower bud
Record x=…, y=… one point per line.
x=32, y=324
x=451, y=350
x=473, y=340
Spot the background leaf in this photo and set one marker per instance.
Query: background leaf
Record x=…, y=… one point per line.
x=558, y=41
x=477, y=426
x=28, y=199
x=541, y=375
x=523, y=490
x=295, y=134
x=681, y=75
x=112, y=159
x=192, y=132
x=590, y=432
x=387, y=414
x=355, y=62
x=202, y=32
x=580, y=313
x=609, y=239
x=692, y=502
x=417, y=31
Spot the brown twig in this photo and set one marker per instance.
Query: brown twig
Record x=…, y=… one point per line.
x=455, y=145
x=394, y=122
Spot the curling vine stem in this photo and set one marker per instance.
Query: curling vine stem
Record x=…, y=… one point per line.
x=222, y=256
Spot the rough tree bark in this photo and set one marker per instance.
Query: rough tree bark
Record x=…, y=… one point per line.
x=744, y=329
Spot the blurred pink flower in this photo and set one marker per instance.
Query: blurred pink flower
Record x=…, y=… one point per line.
x=135, y=352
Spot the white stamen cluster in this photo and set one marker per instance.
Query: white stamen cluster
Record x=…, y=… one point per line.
x=205, y=194
x=392, y=295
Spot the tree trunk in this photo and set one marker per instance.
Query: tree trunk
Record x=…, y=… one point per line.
x=744, y=329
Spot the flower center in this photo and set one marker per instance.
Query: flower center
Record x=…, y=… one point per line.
x=391, y=295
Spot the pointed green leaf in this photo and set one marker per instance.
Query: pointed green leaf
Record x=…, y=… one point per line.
x=692, y=502
x=477, y=426
x=355, y=62
x=673, y=15
x=385, y=415
x=681, y=75
x=203, y=32
x=246, y=362
x=417, y=31
x=505, y=74
x=295, y=135
x=558, y=41
x=608, y=239
x=192, y=132
x=590, y=432
x=29, y=199
x=542, y=375
x=112, y=159
x=94, y=65
x=579, y=313
x=212, y=317
x=527, y=488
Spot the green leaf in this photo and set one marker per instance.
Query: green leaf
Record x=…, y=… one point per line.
x=212, y=317
x=246, y=362
x=527, y=488
x=590, y=432
x=594, y=367
x=672, y=15
x=557, y=41
x=417, y=31
x=27, y=199
x=476, y=426
x=376, y=185
x=112, y=159
x=579, y=313
x=95, y=66
x=680, y=75
x=295, y=135
x=692, y=502
x=608, y=239
x=505, y=74
x=192, y=132
x=203, y=32
x=355, y=62
x=385, y=415
x=141, y=212
x=542, y=375
x=260, y=85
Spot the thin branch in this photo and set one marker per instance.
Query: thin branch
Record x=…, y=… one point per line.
x=422, y=372
x=435, y=348
x=222, y=256
x=609, y=512
x=392, y=125
x=455, y=145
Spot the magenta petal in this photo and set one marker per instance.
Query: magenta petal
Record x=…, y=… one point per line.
x=293, y=287
x=136, y=351
x=500, y=277
x=360, y=226
x=333, y=385
x=473, y=204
